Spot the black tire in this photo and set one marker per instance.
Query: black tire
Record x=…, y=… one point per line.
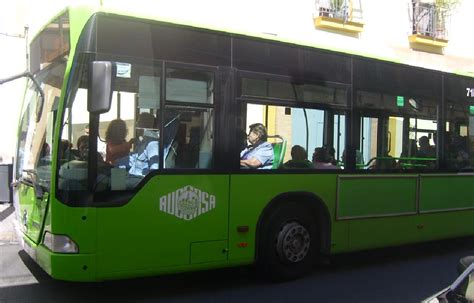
x=288, y=244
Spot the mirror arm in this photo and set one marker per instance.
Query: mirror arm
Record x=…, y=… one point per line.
x=35, y=82
x=14, y=77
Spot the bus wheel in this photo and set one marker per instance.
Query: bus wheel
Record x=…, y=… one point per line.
x=293, y=243
x=289, y=244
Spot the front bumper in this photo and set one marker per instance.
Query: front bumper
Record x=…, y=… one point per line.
x=68, y=267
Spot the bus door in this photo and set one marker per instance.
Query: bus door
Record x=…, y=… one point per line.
x=377, y=199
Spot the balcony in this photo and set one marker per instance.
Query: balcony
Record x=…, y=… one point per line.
x=338, y=15
x=428, y=26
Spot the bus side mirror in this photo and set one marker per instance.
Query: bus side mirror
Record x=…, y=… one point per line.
x=101, y=85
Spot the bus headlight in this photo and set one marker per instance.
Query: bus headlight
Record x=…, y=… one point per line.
x=60, y=243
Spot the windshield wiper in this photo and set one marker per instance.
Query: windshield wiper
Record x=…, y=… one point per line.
x=31, y=181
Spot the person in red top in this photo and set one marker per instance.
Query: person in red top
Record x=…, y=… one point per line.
x=116, y=144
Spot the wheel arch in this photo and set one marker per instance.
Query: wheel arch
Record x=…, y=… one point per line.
x=306, y=200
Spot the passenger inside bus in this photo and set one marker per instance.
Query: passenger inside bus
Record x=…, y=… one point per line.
x=425, y=150
x=144, y=157
x=322, y=159
x=299, y=158
x=259, y=154
x=457, y=151
x=359, y=159
x=116, y=144
x=73, y=173
x=332, y=154
x=82, y=151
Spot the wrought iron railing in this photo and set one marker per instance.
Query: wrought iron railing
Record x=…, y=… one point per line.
x=348, y=10
x=429, y=20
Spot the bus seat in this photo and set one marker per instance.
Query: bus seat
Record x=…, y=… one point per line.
x=279, y=149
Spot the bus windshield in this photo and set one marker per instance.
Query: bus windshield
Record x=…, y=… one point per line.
x=37, y=118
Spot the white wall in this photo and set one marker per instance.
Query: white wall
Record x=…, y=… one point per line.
x=14, y=16
x=385, y=34
x=12, y=61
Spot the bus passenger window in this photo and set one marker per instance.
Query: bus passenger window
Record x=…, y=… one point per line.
x=396, y=136
x=188, y=126
x=304, y=129
x=188, y=137
x=458, y=139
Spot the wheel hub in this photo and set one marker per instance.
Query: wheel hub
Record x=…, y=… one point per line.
x=293, y=242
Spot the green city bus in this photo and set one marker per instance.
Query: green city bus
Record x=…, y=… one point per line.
x=183, y=203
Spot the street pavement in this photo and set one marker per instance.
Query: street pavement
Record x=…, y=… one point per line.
x=392, y=275
x=7, y=225
x=12, y=271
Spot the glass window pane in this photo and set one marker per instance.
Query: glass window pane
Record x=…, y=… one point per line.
x=459, y=136
x=289, y=91
x=368, y=142
x=339, y=138
x=188, y=137
x=298, y=138
x=324, y=94
x=149, y=92
x=189, y=86
x=405, y=141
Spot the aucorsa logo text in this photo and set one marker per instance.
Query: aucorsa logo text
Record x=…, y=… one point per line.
x=187, y=203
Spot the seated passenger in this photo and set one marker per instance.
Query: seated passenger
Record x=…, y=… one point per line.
x=322, y=159
x=458, y=154
x=299, y=158
x=332, y=154
x=116, y=145
x=82, y=145
x=425, y=150
x=359, y=159
x=144, y=157
x=73, y=174
x=259, y=154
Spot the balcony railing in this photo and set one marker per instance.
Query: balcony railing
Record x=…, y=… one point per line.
x=429, y=20
x=347, y=10
x=340, y=15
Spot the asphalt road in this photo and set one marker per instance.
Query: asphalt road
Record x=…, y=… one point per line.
x=403, y=274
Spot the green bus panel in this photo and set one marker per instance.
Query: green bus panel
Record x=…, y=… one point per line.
x=446, y=192
x=444, y=225
x=79, y=223
x=382, y=232
x=211, y=251
x=156, y=230
x=364, y=196
x=393, y=231
x=32, y=212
